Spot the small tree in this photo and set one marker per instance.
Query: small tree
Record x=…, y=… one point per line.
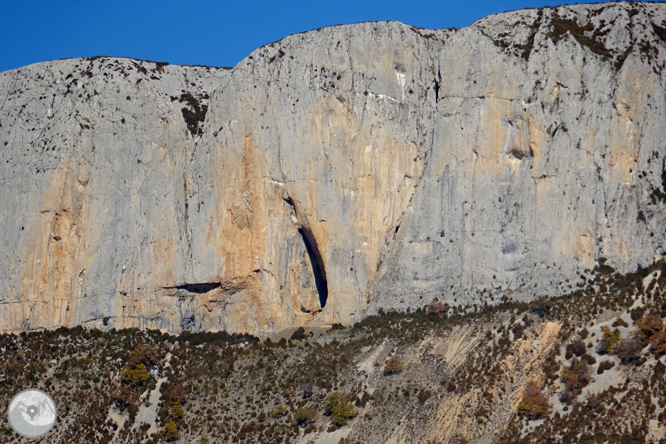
x=423, y=396
x=610, y=341
x=576, y=348
x=534, y=404
x=143, y=354
x=540, y=306
x=393, y=365
x=658, y=343
x=436, y=308
x=339, y=409
x=170, y=432
x=298, y=335
x=177, y=412
x=575, y=377
x=305, y=415
x=308, y=390
x=135, y=377
x=124, y=397
x=278, y=411
x=629, y=350
x=178, y=394
x=649, y=325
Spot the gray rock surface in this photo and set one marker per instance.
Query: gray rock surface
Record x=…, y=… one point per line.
x=336, y=172
x=92, y=171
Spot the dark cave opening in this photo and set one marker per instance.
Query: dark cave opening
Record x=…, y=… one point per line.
x=199, y=288
x=317, y=262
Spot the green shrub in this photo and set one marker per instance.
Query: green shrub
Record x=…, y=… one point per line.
x=143, y=354
x=177, y=412
x=424, y=395
x=393, y=365
x=305, y=415
x=629, y=350
x=339, y=409
x=575, y=377
x=534, y=404
x=193, y=114
x=658, y=343
x=605, y=365
x=619, y=322
x=649, y=325
x=610, y=341
x=135, y=377
x=278, y=411
x=170, y=432
x=298, y=335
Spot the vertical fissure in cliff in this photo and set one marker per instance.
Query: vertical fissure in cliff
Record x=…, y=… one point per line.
x=318, y=269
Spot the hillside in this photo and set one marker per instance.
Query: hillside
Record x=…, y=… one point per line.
x=587, y=367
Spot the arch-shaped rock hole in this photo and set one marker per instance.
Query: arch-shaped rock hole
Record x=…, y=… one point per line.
x=318, y=269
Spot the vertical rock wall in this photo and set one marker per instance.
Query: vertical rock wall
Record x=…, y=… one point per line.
x=335, y=172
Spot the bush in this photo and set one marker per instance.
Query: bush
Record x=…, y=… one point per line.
x=605, y=365
x=589, y=359
x=308, y=390
x=194, y=113
x=135, y=377
x=575, y=377
x=142, y=355
x=436, y=308
x=177, y=412
x=649, y=325
x=305, y=415
x=540, y=306
x=534, y=404
x=658, y=343
x=393, y=365
x=610, y=341
x=278, y=411
x=576, y=348
x=124, y=397
x=363, y=400
x=619, y=322
x=298, y=335
x=170, y=432
x=424, y=395
x=629, y=350
x=339, y=409
x=178, y=394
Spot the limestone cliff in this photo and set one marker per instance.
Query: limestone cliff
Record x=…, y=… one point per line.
x=335, y=172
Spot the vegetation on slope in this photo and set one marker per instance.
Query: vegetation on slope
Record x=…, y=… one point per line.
x=587, y=367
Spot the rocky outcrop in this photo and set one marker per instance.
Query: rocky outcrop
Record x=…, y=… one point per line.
x=92, y=171
x=335, y=172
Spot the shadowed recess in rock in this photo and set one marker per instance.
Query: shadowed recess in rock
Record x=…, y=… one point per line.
x=197, y=288
x=318, y=269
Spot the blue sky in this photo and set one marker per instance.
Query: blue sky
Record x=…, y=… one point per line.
x=205, y=32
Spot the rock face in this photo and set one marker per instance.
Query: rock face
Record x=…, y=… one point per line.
x=335, y=172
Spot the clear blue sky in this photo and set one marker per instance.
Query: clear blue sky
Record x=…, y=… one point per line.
x=204, y=32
